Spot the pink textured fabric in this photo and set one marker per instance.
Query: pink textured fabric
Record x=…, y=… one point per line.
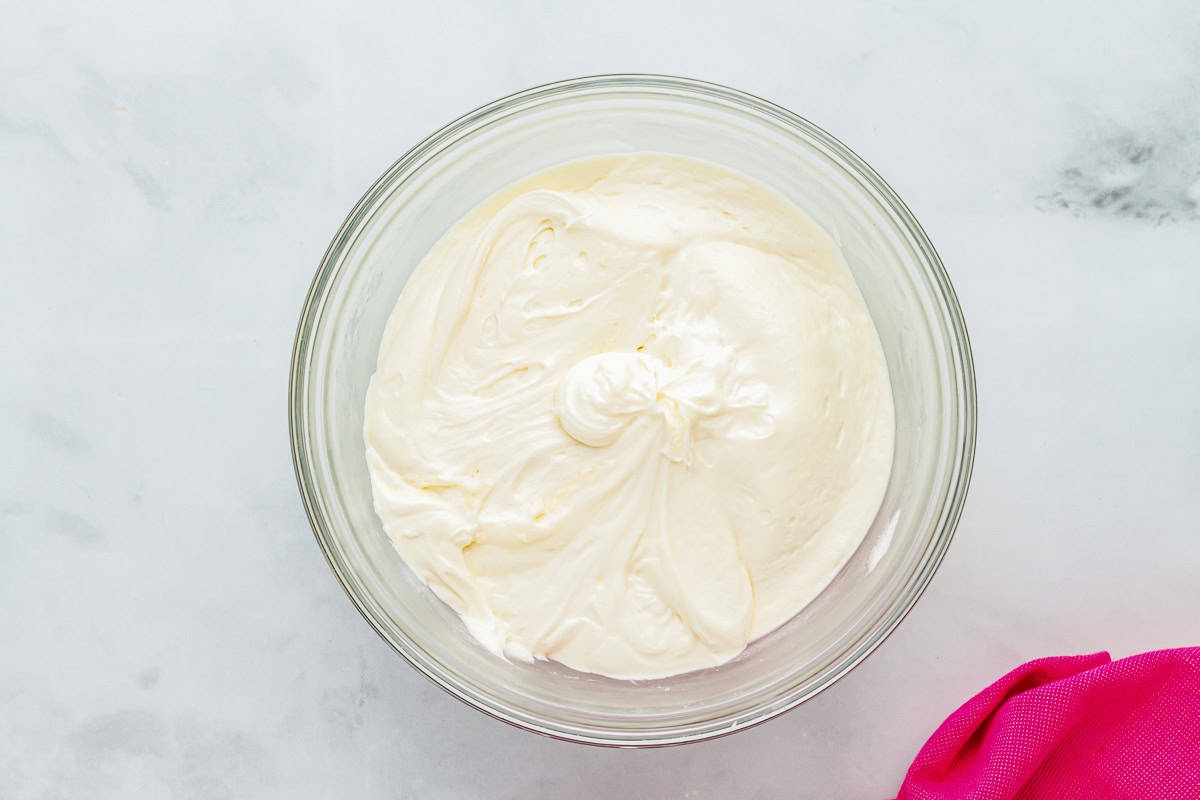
x=1072, y=728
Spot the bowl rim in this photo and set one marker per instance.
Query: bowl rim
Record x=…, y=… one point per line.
x=959, y=474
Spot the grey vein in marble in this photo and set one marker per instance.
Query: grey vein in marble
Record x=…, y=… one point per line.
x=1151, y=174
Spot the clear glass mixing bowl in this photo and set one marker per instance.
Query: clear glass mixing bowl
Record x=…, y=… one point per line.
x=901, y=278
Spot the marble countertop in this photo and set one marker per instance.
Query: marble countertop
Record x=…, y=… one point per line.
x=171, y=176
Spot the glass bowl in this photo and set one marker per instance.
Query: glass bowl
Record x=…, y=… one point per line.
x=905, y=288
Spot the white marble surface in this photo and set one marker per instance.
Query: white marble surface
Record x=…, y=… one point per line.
x=169, y=177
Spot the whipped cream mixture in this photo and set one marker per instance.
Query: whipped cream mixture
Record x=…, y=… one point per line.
x=629, y=414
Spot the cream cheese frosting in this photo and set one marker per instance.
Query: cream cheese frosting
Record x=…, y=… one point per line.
x=629, y=414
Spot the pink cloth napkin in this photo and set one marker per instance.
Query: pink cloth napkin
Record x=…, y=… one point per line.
x=1072, y=728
